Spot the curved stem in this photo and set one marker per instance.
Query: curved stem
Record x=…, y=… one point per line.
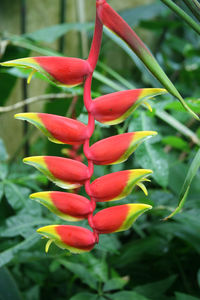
x=96, y=43
x=92, y=59
x=86, y=149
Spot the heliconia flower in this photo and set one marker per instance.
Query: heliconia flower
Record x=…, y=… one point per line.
x=116, y=186
x=75, y=239
x=68, y=206
x=67, y=71
x=64, y=172
x=118, y=218
x=58, y=129
x=118, y=148
x=114, y=22
x=114, y=108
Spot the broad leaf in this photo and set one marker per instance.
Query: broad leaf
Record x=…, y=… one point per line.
x=9, y=254
x=8, y=286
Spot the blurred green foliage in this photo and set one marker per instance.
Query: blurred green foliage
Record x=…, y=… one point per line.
x=156, y=259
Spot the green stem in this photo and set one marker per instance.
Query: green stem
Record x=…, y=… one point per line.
x=180, y=12
x=178, y=126
x=194, y=6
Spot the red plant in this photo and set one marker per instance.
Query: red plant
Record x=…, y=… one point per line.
x=71, y=173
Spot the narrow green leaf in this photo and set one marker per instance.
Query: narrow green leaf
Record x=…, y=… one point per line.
x=186, y=185
x=194, y=6
x=180, y=12
x=176, y=142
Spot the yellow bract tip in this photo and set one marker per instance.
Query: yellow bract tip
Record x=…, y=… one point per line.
x=30, y=76
x=148, y=106
x=143, y=188
x=33, y=159
x=48, y=244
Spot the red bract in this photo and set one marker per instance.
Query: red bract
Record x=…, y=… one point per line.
x=114, y=108
x=117, y=148
x=116, y=186
x=118, y=218
x=58, y=129
x=64, y=172
x=68, y=206
x=75, y=239
x=67, y=71
x=109, y=109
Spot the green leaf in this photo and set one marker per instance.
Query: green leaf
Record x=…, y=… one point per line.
x=85, y=296
x=22, y=224
x=187, y=183
x=156, y=289
x=16, y=195
x=176, y=142
x=128, y=295
x=180, y=296
x=115, y=284
x=3, y=170
x=9, y=254
x=8, y=286
x=52, y=33
x=81, y=272
x=150, y=156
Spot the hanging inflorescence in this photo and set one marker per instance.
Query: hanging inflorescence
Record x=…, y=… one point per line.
x=109, y=109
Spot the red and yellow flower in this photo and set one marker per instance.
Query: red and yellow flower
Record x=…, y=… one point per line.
x=108, y=109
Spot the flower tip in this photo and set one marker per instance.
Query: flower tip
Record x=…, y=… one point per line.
x=47, y=231
x=19, y=116
x=35, y=196
x=33, y=160
x=147, y=171
x=153, y=133
x=147, y=206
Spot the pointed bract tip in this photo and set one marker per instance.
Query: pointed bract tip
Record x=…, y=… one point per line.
x=33, y=159
x=20, y=115
x=48, y=231
x=145, y=206
x=34, y=196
